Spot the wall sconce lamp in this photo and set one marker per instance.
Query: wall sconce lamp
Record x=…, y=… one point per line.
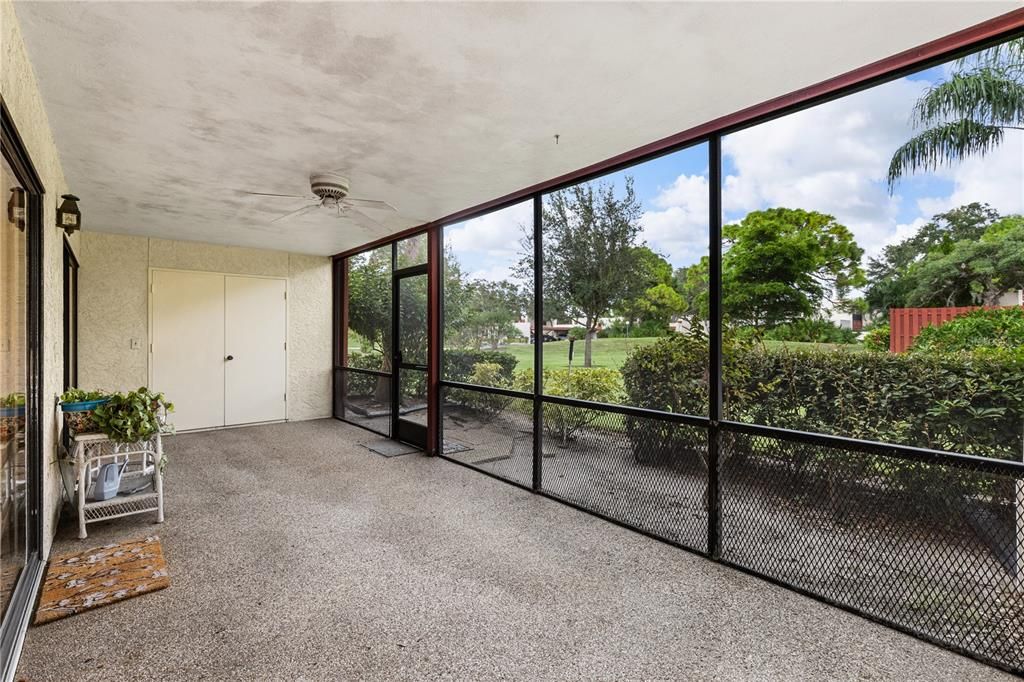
x=16, y=208
x=68, y=216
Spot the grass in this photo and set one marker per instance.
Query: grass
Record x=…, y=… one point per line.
x=606, y=352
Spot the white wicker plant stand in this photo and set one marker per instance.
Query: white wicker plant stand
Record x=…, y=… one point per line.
x=91, y=451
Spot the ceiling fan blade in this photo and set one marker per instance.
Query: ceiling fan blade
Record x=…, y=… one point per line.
x=360, y=218
x=370, y=203
x=271, y=194
x=302, y=211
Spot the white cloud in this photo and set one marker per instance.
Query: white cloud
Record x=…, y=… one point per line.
x=495, y=234
x=680, y=230
x=996, y=179
x=831, y=158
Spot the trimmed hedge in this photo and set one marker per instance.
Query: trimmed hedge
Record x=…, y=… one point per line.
x=984, y=328
x=459, y=365
x=970, y=403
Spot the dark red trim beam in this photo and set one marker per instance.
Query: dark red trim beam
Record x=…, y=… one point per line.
x=1005, y=23
x=434, y=339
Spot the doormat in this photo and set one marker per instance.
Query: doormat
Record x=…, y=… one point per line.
x=390, y=448
x=100, y=576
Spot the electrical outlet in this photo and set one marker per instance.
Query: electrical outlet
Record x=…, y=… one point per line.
x=134, y=344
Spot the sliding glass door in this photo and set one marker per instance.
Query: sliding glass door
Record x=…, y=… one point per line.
x=13, y=380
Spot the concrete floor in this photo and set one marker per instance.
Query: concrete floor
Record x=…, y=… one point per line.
x=295, y=553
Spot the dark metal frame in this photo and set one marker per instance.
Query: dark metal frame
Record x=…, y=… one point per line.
x=403, y=430
x=711, y=134
x=19, y=609
x=70, y=316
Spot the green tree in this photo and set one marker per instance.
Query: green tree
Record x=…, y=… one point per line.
x=650, y=271
x=971, y=272
x=369, y=309
x=966, y=115
x=490, y=309
x=369, y=301
x=782, y=264
x=590, y=235
x=887, y=284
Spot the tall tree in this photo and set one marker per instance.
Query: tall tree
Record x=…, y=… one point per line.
x=971, y=271
x=887, y=286
x=650, y=271
x=490, y=309
x=780, y=264
x=966, y=115
x=369, y=309
x=590, y=235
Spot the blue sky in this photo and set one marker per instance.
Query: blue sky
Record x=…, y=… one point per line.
x=831, y=158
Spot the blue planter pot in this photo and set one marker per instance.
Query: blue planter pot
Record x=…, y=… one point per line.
x=84, y=406
x=17, y=411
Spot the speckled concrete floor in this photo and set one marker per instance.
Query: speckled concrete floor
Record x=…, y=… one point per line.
x=295, y=553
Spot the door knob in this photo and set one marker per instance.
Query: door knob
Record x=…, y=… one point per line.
x=230, y=357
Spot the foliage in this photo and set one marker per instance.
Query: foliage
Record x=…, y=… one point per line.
x=967, y=114
x=79, y=395
x=596, y=384
x=812, y=331
x=650, y=295
x=888, y=284
x=985, y=328
x=13, y=400
x=971, y=403
x=134, y=416
x=460, y=365
x=781, y=265
x=973, y=272
x=489, y=310
x=877, y=338
x=487, y=405
x=369, y=301
x=577, y=334
x=590, y=255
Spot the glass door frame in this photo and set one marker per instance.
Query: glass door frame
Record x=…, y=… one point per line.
x=19, y=608
x=404, y=430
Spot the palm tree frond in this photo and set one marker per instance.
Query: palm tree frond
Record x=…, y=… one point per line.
x=985, y=94
x=1008, y=56
x=942, y=144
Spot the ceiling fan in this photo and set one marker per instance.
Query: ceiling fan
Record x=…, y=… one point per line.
x=330, y=192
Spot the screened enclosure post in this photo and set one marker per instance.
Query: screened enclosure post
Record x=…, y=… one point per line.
x=434, y=341
x=715, y=339
x=538, y=344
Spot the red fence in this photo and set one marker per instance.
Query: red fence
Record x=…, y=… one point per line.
x=906, y=323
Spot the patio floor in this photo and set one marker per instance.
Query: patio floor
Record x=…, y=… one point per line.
x=296, y=553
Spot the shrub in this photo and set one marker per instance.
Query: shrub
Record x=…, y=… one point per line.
x=811, y=331
x=984, y=328
x=488, y=405
x=357, y=383
x=577, y=334
x=877, y=338
x=971, y=403
x=459, y=365
x=596, y=384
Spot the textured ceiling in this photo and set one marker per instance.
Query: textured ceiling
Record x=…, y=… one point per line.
x=163, y=111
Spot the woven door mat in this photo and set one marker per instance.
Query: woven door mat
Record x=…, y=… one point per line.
x=100, y=576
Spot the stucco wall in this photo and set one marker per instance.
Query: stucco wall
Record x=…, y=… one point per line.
x=21, y=96
x=114, y=310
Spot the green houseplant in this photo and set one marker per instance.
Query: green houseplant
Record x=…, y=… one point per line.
x=78, y=407
x=133, y=416
x=12, y=415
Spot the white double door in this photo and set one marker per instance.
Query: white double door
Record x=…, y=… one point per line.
x=219, y=347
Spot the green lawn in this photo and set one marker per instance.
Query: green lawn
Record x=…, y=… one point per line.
x=607, y=352
x=612, y=352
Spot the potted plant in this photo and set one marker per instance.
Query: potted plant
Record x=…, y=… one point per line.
x=134, y=416
x=12, y=415
x=79, y=407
